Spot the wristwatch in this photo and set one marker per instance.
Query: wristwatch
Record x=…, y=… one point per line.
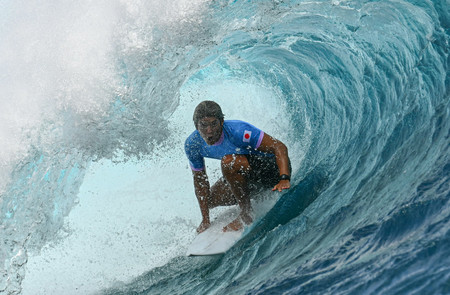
x=285, y=177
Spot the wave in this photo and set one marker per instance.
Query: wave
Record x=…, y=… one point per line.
x=358, y=90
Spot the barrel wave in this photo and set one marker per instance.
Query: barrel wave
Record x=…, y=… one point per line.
x=358, y=91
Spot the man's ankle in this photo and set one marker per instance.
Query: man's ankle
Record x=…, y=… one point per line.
x=246, y=218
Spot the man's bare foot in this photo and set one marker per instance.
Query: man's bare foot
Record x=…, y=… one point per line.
x=203, y=226
x=237, y=224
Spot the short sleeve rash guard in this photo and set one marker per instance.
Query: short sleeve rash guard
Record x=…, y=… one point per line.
x=237, y=137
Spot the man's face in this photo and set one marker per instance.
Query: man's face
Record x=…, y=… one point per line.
x=210, y=129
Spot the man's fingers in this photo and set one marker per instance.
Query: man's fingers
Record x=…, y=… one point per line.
x=280, y=187
x=277, y=188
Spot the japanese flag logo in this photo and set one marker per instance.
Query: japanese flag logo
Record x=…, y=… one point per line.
x=247, y=136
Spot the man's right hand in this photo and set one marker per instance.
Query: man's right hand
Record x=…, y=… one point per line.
x=283, y=184
x=203, y=226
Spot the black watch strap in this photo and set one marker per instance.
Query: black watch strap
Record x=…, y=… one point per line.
x=285, y=177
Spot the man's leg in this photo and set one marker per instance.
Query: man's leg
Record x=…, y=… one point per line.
x=235, y=169
x=221, y=194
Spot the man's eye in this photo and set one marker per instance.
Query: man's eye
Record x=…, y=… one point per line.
x=213, y=124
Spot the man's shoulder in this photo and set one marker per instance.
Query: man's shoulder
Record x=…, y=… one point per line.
x=193, y=138
x=243, y=134
x=238, y=126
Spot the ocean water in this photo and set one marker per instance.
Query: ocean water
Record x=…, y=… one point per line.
x=97, y=99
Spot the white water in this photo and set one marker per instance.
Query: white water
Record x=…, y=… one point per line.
x=59, y=57
x=131, y=217
x=53, y=57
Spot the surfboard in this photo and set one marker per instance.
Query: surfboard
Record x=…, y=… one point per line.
x=214, y=241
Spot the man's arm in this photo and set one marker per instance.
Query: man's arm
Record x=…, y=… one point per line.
x=279, y=149
x=202, y=191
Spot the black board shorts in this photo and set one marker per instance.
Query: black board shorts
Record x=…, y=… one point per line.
x=264, y=172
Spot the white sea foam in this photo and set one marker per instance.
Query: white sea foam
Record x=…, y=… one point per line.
x=58, y=58
x=54, y=57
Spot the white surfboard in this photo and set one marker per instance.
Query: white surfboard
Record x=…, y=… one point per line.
x=213, y=240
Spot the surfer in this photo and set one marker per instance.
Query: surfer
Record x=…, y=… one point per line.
x=251, y=160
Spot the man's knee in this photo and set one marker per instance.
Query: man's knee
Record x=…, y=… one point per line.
x=235, y=163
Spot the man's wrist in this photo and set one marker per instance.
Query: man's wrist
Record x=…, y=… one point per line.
x=285, y=177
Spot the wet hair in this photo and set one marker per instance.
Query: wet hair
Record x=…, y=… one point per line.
x=205, y=109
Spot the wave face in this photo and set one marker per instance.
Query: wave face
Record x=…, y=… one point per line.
x=358, y=91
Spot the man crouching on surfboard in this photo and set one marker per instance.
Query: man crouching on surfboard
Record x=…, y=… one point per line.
x=250, y=160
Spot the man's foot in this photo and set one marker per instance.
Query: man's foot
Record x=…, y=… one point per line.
x=237, y=224
x=203, y=226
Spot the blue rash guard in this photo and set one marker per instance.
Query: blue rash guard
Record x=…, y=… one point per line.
x=238, y=137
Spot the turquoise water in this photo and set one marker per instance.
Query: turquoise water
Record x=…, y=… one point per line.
x=358, y=90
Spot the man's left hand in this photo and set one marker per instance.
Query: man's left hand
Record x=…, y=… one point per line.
x=283, y=184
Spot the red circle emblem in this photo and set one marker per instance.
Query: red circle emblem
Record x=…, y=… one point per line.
x=247, y=136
